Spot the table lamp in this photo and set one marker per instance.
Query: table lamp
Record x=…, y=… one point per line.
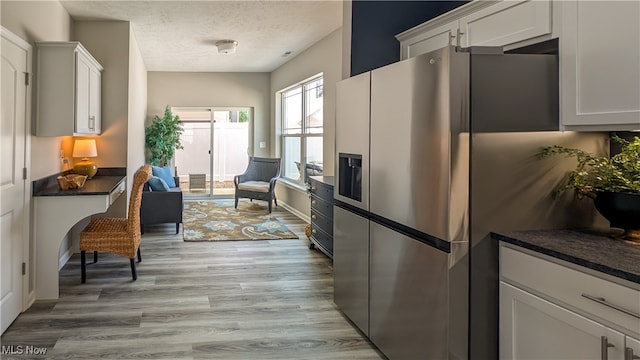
x=85, y=149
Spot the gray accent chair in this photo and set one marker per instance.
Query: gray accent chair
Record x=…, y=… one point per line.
x=259, y=180
x=159, y=207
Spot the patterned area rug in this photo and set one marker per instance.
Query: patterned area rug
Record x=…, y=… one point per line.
x=217, y=220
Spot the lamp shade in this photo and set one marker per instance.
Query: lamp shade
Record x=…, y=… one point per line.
x=84, y=148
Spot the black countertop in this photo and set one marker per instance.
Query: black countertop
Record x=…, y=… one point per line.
x=597, y=250
x=102, y=184
x=323, y=179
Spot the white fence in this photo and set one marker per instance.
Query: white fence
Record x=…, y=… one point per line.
x=230, y=144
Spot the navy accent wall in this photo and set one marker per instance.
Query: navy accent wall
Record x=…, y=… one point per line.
x=376, y=23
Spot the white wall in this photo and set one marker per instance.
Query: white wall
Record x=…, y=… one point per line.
x=137, y=109
x=323, y=57
x=187, y=89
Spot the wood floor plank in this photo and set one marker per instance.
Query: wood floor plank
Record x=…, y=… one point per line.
x=267, y=299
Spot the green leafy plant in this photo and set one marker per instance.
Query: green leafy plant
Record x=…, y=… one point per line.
x=619, y=173
x=162, y=137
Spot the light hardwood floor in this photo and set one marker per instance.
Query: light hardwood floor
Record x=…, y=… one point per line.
x=196, y=300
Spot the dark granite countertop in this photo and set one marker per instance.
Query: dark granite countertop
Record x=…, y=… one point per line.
x=323, y=179
x=597, y=250
x=102, y=184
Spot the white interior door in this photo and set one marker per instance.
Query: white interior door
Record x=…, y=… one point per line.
x=13, y=214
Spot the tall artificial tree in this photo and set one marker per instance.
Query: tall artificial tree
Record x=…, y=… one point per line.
x=162, y=137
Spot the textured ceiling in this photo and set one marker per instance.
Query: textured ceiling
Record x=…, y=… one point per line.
x=180, y=35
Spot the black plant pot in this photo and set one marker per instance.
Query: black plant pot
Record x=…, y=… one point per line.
x=622, y=210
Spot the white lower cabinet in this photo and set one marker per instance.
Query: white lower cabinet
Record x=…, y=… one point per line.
x=533, y=328
x=553, y=310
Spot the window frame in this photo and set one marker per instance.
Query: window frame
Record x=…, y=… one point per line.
x=304, y=133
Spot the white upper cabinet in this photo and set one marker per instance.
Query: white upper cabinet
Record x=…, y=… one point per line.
x=600, y=65
x=479, y=23
x=505, y=23
x=68, y=90
x=430, y=40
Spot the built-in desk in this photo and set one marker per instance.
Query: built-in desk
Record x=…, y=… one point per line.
x=57, y=211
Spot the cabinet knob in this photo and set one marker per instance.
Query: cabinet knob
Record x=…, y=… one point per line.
x=313, y=202
x=314, y=231
x=313, y=216
x=314, y=188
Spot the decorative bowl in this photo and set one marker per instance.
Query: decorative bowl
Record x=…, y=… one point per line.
x=71, y=181
x=622, y=210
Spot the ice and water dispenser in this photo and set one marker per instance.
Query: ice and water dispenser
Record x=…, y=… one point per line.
x=350, y=176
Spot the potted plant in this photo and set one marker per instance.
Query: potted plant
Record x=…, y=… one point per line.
x=613, y=182
x=162, y=137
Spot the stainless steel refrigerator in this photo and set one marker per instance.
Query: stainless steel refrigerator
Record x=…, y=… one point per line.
x=433, y=153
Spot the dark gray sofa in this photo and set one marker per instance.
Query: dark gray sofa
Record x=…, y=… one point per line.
x=159, y=207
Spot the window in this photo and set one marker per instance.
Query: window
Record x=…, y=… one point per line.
x=302, y=129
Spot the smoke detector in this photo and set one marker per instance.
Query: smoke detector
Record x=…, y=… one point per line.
x=226, y=46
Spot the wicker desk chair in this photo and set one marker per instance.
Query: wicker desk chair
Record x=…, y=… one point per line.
x=259, y=180
x=118, y=236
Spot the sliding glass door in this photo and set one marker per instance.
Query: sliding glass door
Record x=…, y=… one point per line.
x=215, y=148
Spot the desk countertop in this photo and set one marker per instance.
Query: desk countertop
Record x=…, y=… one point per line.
x=591, y=249
x=101, y=184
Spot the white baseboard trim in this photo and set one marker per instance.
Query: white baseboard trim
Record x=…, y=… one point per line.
x=31, y=298
x=295, y=211
x=64, y=258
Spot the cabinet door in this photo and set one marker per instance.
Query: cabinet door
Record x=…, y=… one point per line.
x=533, y=328
x=94, y=100
x=632, y=348
x=599, y=57
x=506, y=23
x=430, y=40
x=83, y=78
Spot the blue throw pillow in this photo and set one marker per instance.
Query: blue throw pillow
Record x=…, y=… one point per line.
x=164, y=173
x=157, y=184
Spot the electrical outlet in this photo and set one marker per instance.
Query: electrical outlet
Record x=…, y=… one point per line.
x=263, y=144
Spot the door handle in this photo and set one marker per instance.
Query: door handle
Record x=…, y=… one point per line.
x=604, y=348
x=92, y=122
x=459, y=33
x=603, y=301
x=629, y=355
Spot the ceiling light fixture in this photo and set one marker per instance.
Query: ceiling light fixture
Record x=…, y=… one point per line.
x=226, y=46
